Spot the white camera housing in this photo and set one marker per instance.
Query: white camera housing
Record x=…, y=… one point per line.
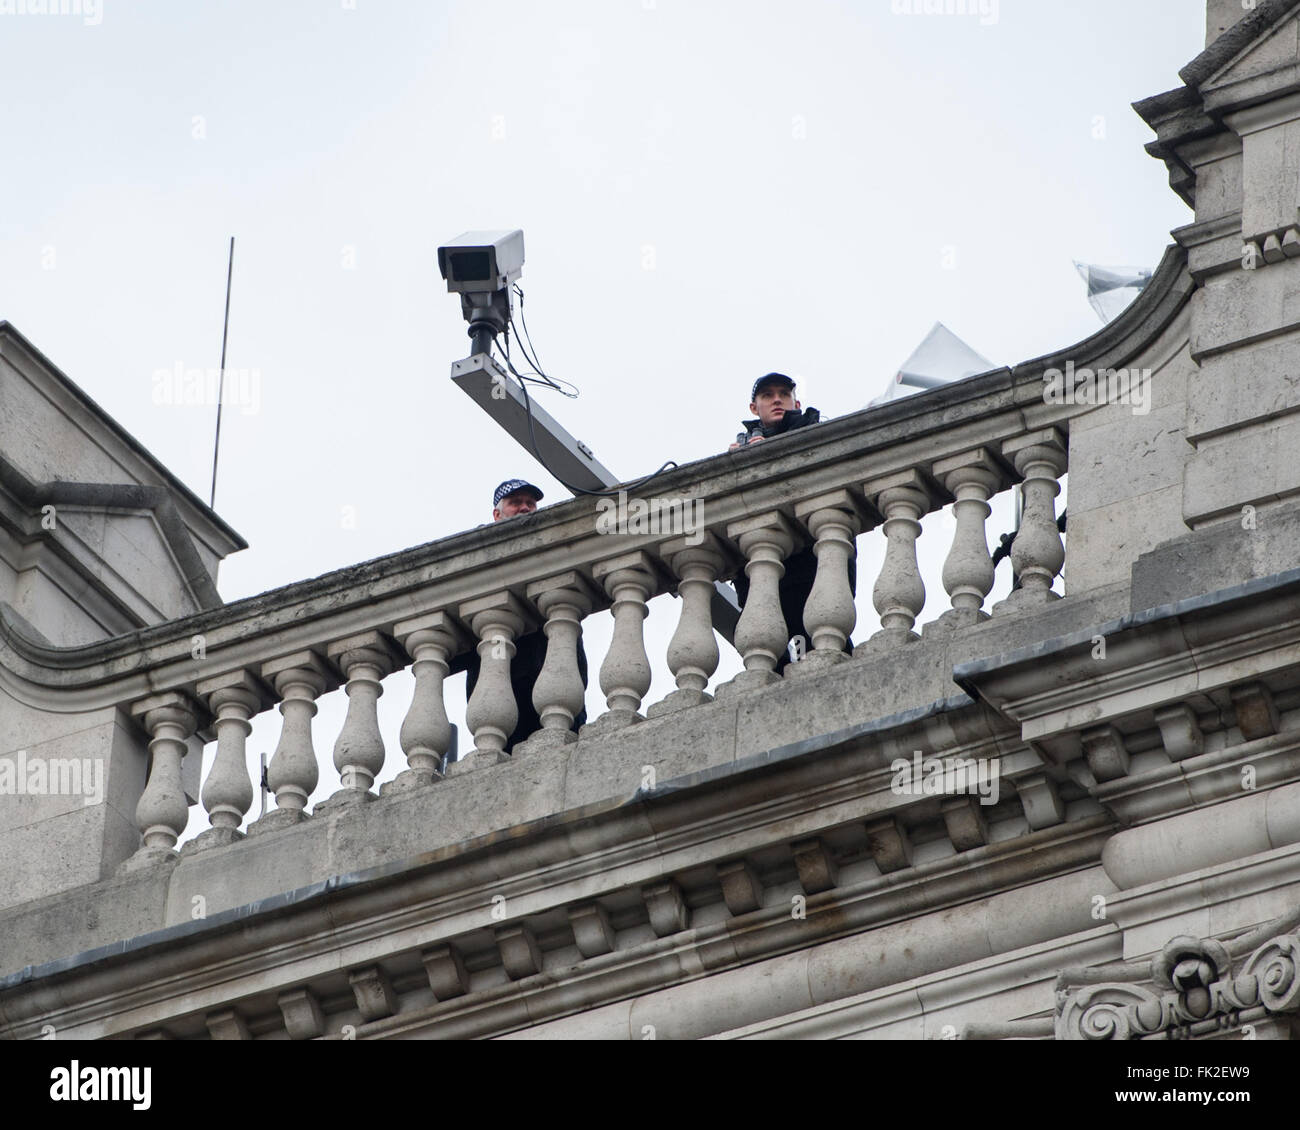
x=482, y=262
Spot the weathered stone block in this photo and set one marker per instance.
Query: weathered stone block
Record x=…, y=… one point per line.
x=816, y=866
x=1243, y=307
x=963, y=817
x=519, y=951
x=666, y=907
x=592, y=932
x=1179, y=731
x=1257, y=714
x=741, y=889
x=1103, y=544
x=446, y=969
x=227, y=1025
x=890, y=845
x=303, y=1017
x=374, y=992
x=1103, y=749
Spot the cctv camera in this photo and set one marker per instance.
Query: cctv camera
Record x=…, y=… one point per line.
x=480, y=262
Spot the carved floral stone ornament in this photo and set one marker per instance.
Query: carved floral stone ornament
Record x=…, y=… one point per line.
x=1193, y=993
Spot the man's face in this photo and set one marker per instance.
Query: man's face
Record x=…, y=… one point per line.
x=512, y=505
x=773, y=402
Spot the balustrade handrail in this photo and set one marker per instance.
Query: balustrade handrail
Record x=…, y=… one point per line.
x=771, y=476
x=484, y=588
x=914, y=432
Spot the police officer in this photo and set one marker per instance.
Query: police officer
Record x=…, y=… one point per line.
x=777, y=411
x=772, y=402
x=514, y=498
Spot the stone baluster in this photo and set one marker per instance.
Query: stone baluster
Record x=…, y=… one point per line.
x=1037, y=553
x=491, y=714
x=973, y=477
x=170, y=719
x=693, y=650
x=227, y=793
x=299, y=679
x=365, y=660
x=431, y=641
x=899, y=594
x=629, y=580
x=829, y=615
x=558, y=693
x=766, y=540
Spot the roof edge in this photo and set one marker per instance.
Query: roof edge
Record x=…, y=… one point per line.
x=10, y=331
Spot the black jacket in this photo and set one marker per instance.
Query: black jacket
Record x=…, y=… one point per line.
x=799, y=418
x=801, y=566
x=530, y=654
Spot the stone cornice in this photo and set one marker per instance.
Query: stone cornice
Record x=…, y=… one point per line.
x=1194, y=111
x=1151, y=658
x=14, y=344
x=792, y=794
x=116, y=497
x=923, y=1001
x=1255, y=875
x=848, y=767
x=1167, y=790
x=309, y=934
x=1236, y=40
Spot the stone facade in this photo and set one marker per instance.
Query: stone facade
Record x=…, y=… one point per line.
x=97, y=539
x=1074, y=814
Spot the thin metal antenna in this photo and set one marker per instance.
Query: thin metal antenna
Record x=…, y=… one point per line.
x=221, y=380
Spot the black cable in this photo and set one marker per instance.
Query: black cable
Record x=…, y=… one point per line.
x=542, y=378
x=523, y=318
x=535, y=373
x=530, y=353
x=526, y=340
x=532, y=441
x=528, y=350
x=548, y=382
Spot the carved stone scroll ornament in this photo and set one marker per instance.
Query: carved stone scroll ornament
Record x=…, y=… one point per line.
x=1106, y=1012
x=1194, y=993
x=1275, y=968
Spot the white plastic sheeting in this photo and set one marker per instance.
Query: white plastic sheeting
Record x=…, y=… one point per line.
x=1110, y=289
x=940, y=358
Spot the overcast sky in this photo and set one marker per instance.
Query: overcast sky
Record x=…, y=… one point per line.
x=709, y=190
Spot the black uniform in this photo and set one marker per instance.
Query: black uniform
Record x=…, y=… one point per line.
x=800, y=567
x=530, y=654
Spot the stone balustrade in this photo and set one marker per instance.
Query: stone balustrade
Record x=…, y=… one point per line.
x=829, y=490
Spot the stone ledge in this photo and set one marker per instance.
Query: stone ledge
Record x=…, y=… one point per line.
x=1217, y=557
x=592, y=775
x=980, y=410
x=315, y=932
